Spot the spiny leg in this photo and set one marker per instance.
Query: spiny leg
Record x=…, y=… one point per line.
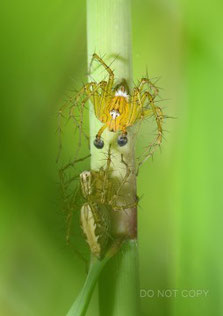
x=64, y=183
x=157, y=112
x=142, y=83
x=88, y=93
x=84, y=92
x=69, y=208
x=109, y=160
x=72, y=164
x=90, y=90
x=122, y=139
x=74, y=104
x=62, y=116
x=107, y=92
x=98, y=142
x=130, y=117
x=126, y=206
x=98, y=98
x=106, y=172
x=108, y=69
x=99, y=102
x=127, y=174
x=135, y=107
x=59, y=130
x=113, y=201
x=138, y=109
x=70, y=191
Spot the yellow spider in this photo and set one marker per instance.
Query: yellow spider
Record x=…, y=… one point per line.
x=117, y=109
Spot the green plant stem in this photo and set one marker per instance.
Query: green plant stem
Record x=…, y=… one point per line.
x=119, y=284
x=81, y=303
x=109, y=35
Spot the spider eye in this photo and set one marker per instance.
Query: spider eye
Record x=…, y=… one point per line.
x=98, y=142
x=122, y=140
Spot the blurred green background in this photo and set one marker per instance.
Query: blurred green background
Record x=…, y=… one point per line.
x=180, y=216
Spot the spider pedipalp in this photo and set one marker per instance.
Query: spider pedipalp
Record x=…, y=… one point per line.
x=122, y=140
x=98, y=142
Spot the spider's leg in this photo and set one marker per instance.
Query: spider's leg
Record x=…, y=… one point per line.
x=108, y=160
x=96, y=93
x=98, y=142
x=106, y=172
x=66, y=181
x=135, y=107
x=101, y=130
x=157, y=113
x=127, y=174
x=80, y=100
x=90, y=91
x=59, y=129
x=82, y=96
x=107, y=88
x=69, y=195
x=72, y=103
x=117, y=195
x=122, y=139
x=153, y=88
x=106, y=94
x=126, y=206
x=72, y=164
x=107, y=68
x=61, y=113
x=98, y=99
x=70, y=209
x=132, y=114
